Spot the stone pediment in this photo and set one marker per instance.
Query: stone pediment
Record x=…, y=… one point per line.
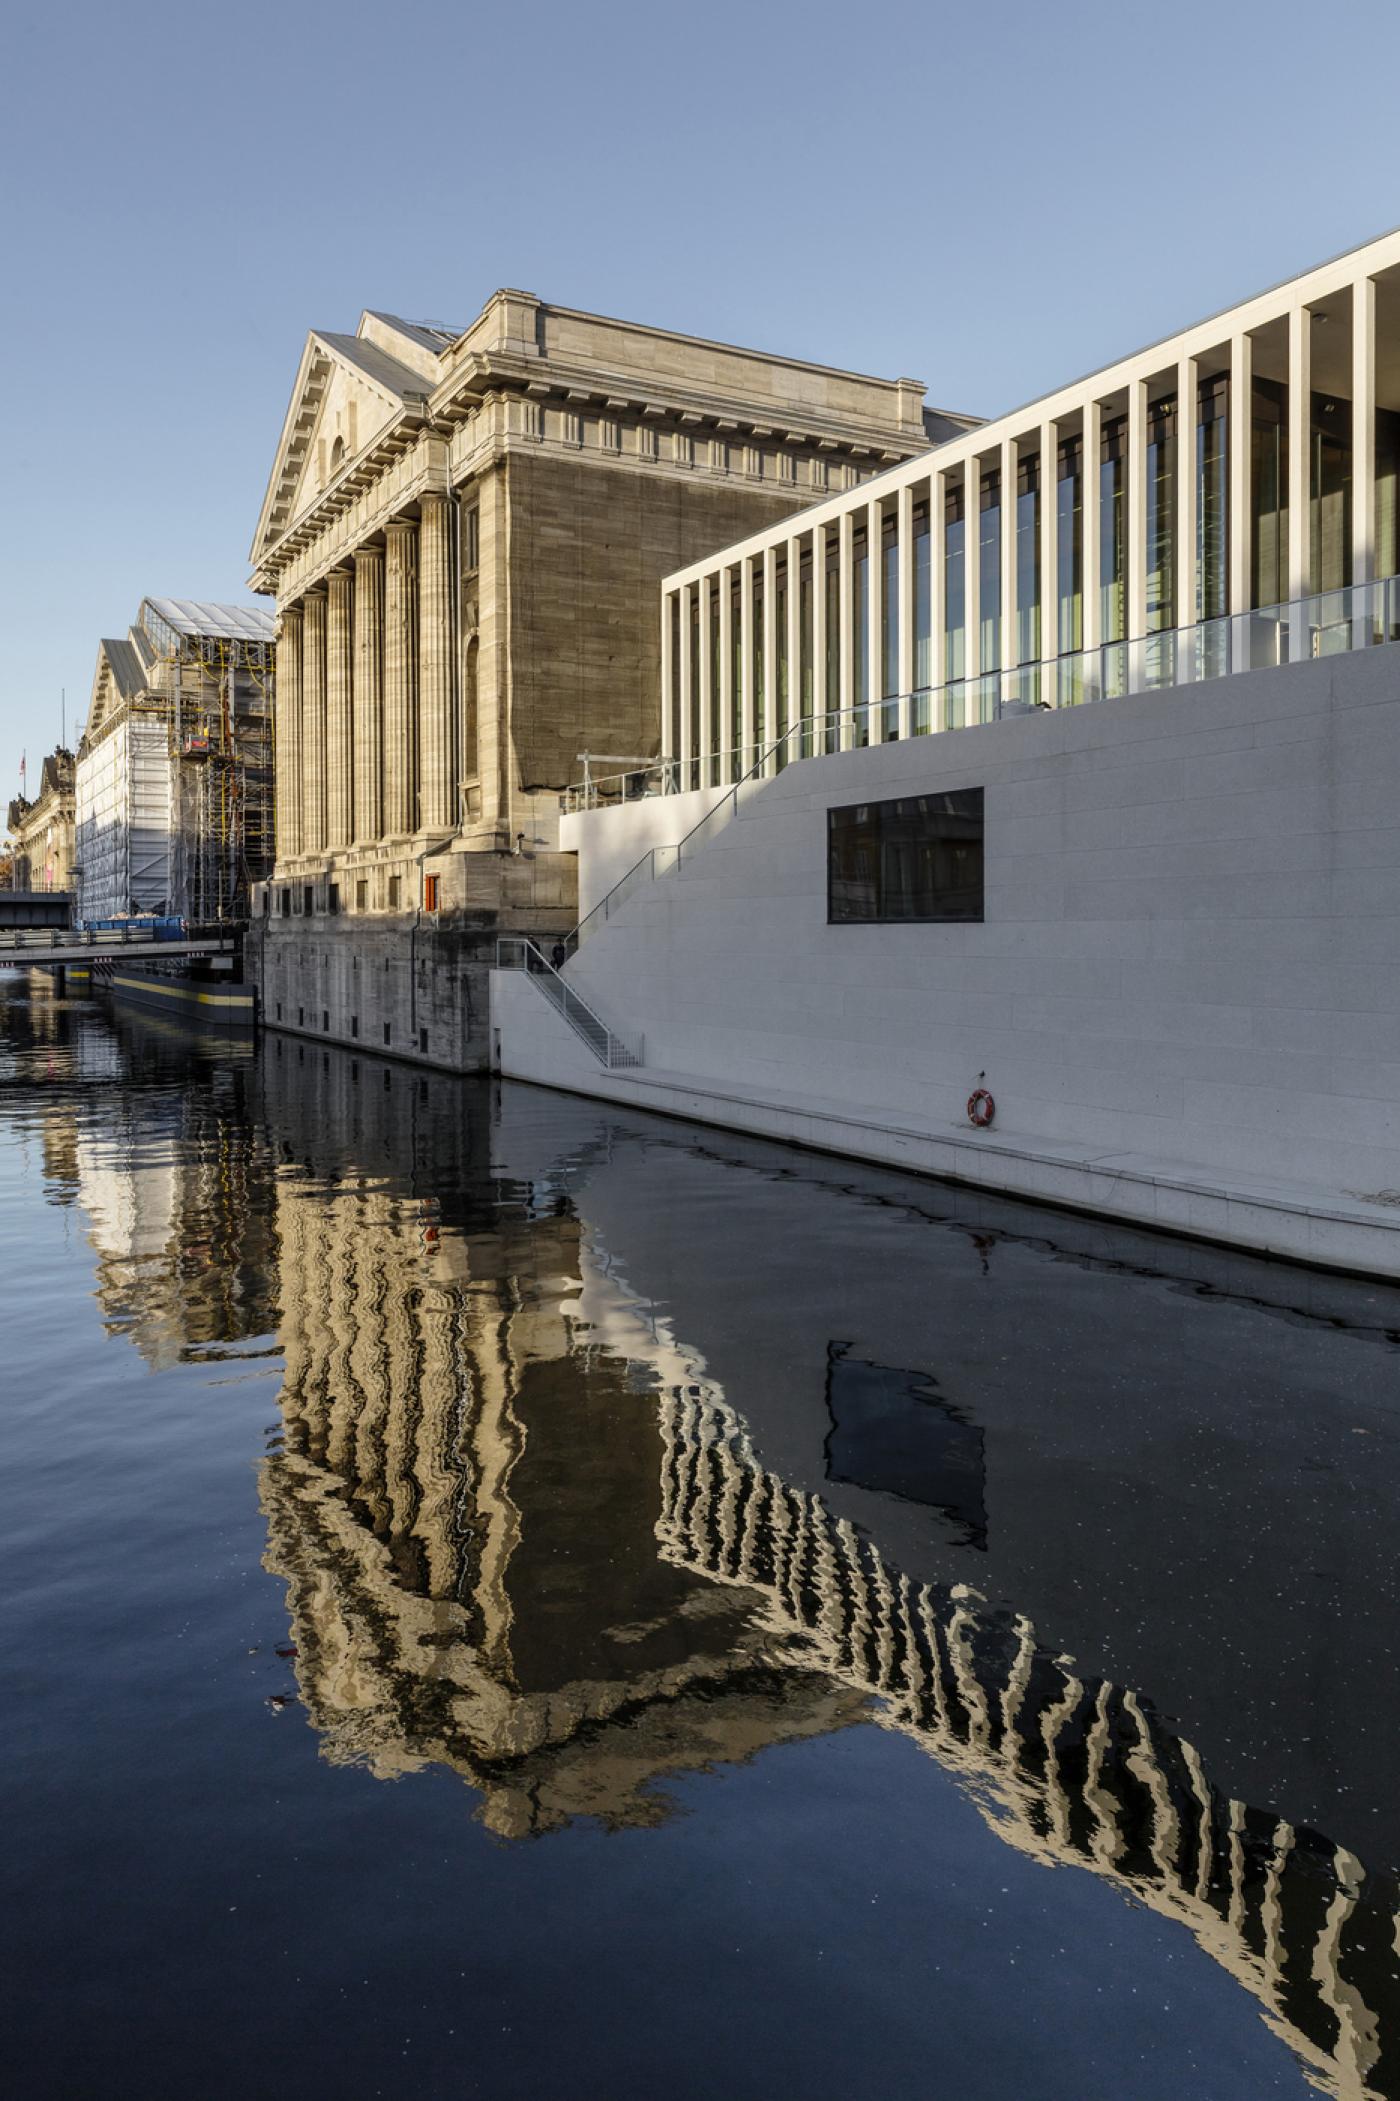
x=349, y=391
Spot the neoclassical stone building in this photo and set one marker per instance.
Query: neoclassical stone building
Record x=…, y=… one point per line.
x=464, y=532
x=41, y=831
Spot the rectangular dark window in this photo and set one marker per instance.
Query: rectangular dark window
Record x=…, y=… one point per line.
x=362, y=895
x=354, y=1024
x=286, y=904
x=308, y=900
x=394, y=893
x=325, y=1022
x=423, y=1040
x=386, y=1032
x=917, y=859
x=333, y=897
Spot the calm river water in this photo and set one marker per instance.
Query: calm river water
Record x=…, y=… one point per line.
x=504, y=1598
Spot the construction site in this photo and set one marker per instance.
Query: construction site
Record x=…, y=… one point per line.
x=174, y=779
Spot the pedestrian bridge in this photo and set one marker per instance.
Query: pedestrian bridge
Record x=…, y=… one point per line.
x=30, y=945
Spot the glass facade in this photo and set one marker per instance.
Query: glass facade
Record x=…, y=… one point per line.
x=1161, y=541
x=1268, y=582
x=1113, y=553
x=989, y=557
x=889, y=611
x=898, y=638
x=954, y=588
x=923, y=621
x=1028, y=572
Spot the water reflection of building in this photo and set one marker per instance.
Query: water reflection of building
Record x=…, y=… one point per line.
x=176, y=1191
x=467, y=1505
x=1072, y=1772
x=525, y=1535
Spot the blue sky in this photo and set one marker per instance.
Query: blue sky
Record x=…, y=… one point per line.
x=993, y=199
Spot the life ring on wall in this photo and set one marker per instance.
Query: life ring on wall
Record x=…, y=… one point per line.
x=980, y=1108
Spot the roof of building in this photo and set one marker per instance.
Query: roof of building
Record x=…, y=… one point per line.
x=193, y=616
x=127, y=671
x=397, y=379
x=436, y=336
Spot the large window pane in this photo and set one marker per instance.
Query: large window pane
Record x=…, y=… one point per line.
x=917, y=858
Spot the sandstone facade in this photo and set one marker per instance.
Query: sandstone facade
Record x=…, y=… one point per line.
x=465, y=532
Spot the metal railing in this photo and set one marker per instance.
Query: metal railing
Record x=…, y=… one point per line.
x=516, y=952
x=1329, y=623
x=1332, y=624
x=19, y=940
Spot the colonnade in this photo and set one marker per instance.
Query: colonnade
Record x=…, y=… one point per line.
x=1175, y=516
x=366, y=730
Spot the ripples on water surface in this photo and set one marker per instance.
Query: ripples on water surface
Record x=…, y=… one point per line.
x=504, y=1598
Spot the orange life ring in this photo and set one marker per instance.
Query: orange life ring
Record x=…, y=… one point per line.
x=980, y=1108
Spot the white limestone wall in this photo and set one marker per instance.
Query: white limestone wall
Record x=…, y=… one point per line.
x=1191, y=954
x=609, y=842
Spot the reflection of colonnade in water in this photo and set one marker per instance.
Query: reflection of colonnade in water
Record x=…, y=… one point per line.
x=487, y=1444
x=466, y=1508
x=1070, y=1772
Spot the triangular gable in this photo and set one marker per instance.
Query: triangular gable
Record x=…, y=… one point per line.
x=348, y=391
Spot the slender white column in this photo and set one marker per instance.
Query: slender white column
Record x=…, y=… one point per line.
x=937, y=586
x=845, y=574
x=1049, y=556
x=1090, y=468
x=1299, y=471
x=793, y=711
x=746, y=730
x=1241, y=492
x=904, y=571
x=1009, y=651
x=687, y=698
x=972, y=568
x=1187, y=386
x=819, y=624
x=725, y=739
x=668, y=622
x=770, y=650
x=875, y=609
x=706, y=698
x=1137, y=518
x=1363, y=431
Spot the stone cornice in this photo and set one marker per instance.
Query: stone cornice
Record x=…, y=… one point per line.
x=330, y=533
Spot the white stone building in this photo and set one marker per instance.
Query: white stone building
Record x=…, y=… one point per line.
x=1161, y=931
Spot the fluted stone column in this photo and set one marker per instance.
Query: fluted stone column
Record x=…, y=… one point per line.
x=313, y=724
x=400, y=679
x=369, y=694
x=287, y=748
x=437, y=782
x=339, y=727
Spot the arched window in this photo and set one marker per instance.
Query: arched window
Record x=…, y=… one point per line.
x=337, y=457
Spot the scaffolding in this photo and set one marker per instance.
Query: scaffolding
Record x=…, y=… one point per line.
x=175, y=772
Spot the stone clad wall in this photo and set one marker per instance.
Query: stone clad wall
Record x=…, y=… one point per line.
x=1187, y=975
x=589, y=545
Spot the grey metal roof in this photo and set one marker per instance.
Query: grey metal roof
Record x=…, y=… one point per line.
x=127, y=672
x=436, y=336
x=376, y=364
x=193, y=616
